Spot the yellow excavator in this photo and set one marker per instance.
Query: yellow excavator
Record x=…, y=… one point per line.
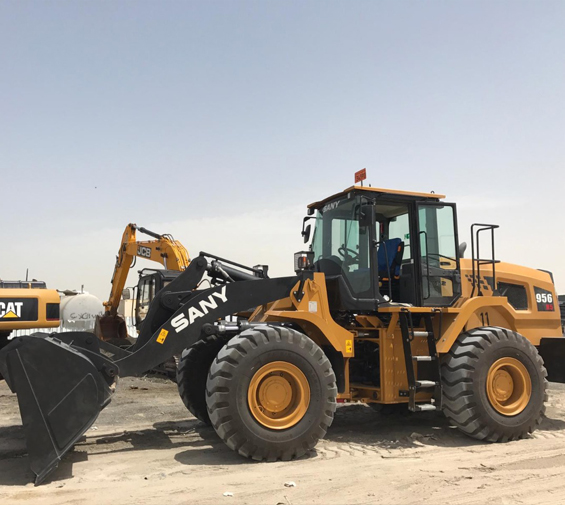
x=163, y=249
x=25, y=305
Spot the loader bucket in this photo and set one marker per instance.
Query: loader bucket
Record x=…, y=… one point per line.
x=60, y=393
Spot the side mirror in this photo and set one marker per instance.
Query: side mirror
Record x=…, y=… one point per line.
x=306, y=233
x=306, y=230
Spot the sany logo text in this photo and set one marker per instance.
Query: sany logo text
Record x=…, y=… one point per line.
x=330, y=206
x=182, y=321
x=11, y=309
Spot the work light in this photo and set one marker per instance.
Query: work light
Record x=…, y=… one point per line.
x=303, y=260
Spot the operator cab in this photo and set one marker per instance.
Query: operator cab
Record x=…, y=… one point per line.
x=378, y=246
x=151, y=281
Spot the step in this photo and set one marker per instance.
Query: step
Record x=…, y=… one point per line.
x=423, y=358
x=421, y=407
x=426, y=384
x=425, y=334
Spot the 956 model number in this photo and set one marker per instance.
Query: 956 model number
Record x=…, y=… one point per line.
x=544, y=300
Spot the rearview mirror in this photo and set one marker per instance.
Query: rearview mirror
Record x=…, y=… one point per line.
x=306, y=233
x=306, y=230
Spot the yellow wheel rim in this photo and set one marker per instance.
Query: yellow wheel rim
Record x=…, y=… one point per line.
x=278, y=395
x=509, y=386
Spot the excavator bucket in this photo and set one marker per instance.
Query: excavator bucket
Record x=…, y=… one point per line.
x=60, y=393
x=112, y=328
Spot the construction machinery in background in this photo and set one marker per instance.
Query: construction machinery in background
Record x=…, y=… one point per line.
x=25, y=305
x=383, y=309
x=162, y=249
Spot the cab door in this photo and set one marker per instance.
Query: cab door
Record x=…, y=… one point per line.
x=438, y=254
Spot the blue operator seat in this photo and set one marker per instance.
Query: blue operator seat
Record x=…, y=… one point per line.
x=389, y=257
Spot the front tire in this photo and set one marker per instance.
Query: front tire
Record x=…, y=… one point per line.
x=494, y=385
x=271, y=393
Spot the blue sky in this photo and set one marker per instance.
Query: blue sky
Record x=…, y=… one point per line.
x=219, y=121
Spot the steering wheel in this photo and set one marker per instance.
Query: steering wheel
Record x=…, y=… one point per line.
x=350, y=254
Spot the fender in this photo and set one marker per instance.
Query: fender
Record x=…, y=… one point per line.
x=470, y=307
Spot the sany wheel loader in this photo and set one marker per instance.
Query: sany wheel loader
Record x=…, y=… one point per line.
x=383, y=309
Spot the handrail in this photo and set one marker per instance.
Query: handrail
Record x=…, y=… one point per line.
x=475, y=237
x=382, y=243
x=427, y=263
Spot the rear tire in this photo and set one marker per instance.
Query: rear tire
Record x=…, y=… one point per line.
x=271, y=394
x=192, y=373
x=494, y=385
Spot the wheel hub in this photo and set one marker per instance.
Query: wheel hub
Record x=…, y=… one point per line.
x=502, y=385
x=279, y=395
x=509, y=386
x=275, y=394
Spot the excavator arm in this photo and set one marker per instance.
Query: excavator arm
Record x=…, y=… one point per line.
x=162, y=249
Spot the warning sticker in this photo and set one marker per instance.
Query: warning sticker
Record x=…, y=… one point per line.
x=162, y=336
x=349, y=346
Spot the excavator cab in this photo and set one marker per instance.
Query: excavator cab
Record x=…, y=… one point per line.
x=378, y=247
x=151, y=281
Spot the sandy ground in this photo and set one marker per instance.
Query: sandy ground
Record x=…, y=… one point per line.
x=146, y=449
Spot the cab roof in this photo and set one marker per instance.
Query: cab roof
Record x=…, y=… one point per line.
x=410, y=195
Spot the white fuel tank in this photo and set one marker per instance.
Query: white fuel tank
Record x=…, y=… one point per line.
x=78, y=312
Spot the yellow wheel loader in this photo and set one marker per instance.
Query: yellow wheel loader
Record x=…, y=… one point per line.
x=383, y=309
